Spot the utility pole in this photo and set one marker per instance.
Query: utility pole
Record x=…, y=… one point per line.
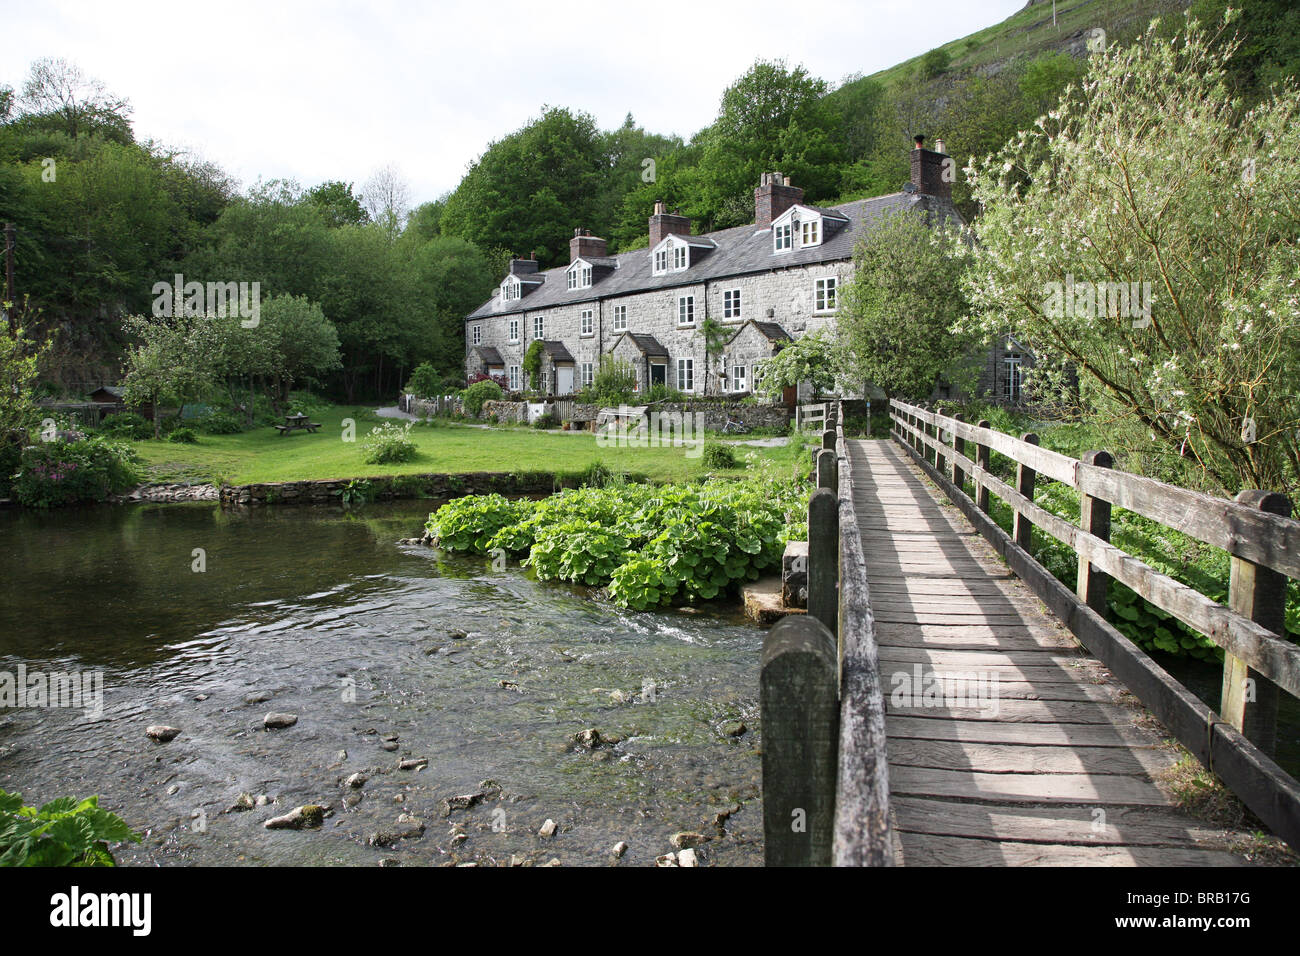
x=12, y=308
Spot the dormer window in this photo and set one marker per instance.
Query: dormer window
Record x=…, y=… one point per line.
x=783, y=237
x=579, y=276
x=661, y=261
x=811, y=233
x=673, y=255
x=680, y=257
x=510, y=290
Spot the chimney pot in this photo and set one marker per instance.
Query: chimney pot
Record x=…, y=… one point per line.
x=928, y=170
x=773, y=197
x=663, y=223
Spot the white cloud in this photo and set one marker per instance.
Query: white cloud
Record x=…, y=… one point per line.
x=317, y=91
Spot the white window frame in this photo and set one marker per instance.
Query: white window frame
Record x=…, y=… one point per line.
x=826, y=294
x=685, y=307
x=539, y=326
x=513, y=378
x=782, y=238
x=1013, y=380
x=588, y=374
x=514, y=330
x=739, y=378
x=681, y=257
x=661, y=261
x=588, y=320
x=620, y=318
x=810, y=233
x=686, y=373
x=510, y=290
x=732, y=302
x=579, y=276
x=476, y=331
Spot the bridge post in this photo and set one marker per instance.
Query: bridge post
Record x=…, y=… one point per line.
x=959, y=446
x=982, y=459
x=828, y=470
x=828, y=439
x=1023, y=528
x=1094, y=518
x=800, y=710
x=1249, y=699
x=824, y=557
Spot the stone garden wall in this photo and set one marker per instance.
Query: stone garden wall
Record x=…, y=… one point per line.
x=438, y=486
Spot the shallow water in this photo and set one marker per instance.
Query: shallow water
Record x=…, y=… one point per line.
x=324, y=612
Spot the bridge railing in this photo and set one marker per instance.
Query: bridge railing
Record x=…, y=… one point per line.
x=825, y=771
x=1257, y=532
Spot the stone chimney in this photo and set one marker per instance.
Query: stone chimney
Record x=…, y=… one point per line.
x=928, y=170
x=522, y=267
x=664, y=223
x=774, y=196
x=585, y=245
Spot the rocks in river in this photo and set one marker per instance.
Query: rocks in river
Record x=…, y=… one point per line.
x=341, y=756
x=389, y=745
x=307, y=817
x=457, y=635
x=516, y=859
x=509, y=685
x=245, y=801
x=589, y=739
x=279, y=721
x=487, y=790
x=687, y=858
x=668, y=859
x=413, y=763
x=618, y=697
x=161, y=733
x=548, y=829
x=619, y=849
x=200, y=697
x=722, y=816
x=260, y=697
x=263, y=800
x=356, y=781
x=734, y=729
x=407, y=828
x=687, y=839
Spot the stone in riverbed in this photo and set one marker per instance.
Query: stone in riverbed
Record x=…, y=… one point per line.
x=487, y=790
x=668, y=859
x=407, y=828
x=161, y=733
x=279, y=721
x=548, y=830
x=687, y=839
x=307, y=817
x=588, y=739
x=687, y=858
x=413, y=763
x=261, y=697
x=735, y=729
x=356, y=781
x=619, y=849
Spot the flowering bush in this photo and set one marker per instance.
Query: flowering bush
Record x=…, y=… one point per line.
x=478, y=393
x=388, y=444
x=60, y=473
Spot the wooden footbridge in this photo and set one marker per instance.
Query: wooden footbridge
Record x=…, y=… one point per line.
x=947, y=701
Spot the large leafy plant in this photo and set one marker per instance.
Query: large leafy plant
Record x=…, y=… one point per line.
x=63, y=832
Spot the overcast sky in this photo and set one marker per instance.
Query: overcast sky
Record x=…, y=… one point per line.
x=328, y=90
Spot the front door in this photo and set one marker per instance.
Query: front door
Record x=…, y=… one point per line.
x=564, y=380
x=658, y=375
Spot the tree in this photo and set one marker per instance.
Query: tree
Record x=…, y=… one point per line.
x=808, y=359
x=715, y=336
x=337, y=203
x=302, y=342
x=387, y=200
x=935, y=63
x=173, y=358
x=895, y=323
x=1145, y=237
x=60, y=91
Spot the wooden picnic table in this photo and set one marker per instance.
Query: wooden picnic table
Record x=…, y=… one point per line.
x=295, y=423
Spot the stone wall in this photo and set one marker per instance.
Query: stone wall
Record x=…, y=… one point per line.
x=716, y=413
x=439, y=486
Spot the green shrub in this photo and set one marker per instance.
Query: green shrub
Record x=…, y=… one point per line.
x=469, y=523
x=128, y=425
x=546, y=421
x=718, y=456
x=613, y=384
x=425, y=382
x=659, y=392
x=478, y=393
x=63, y=832
x=358, y=492
x=388, y=444
x=220, y=423
x=62, y=473
x=183, y=436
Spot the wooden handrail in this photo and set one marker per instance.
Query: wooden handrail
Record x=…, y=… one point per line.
x=862, y=830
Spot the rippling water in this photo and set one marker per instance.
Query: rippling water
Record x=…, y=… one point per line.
x=323, y=612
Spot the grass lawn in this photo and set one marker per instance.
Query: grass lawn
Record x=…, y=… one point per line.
x=263, y=455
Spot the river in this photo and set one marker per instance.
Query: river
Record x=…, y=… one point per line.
x=206, y=620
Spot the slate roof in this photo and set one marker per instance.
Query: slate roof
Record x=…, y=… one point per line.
x=489, y=355
x=557, y=352
x=646, y=344
x=772, y=331
x=741, y=250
